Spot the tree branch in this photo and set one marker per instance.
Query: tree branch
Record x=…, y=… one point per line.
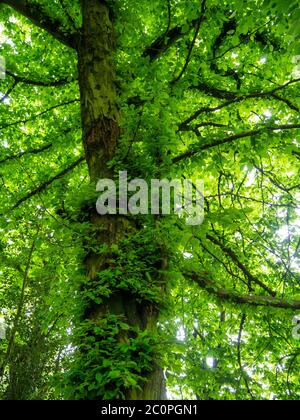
x=253, y=300
x=41, y=188
x=187, y=61
x=26, y=152
x=274, y=181
x=36, y=13
x=240, y=265
x=167, y=40
x=286, y=101
x=6, y=95
x=29, y=81
x=239, y=355
x=231, y=139
x=254, y=200
x=19, y=308
x=39, y=114
x=215, y=92
x=233, y=99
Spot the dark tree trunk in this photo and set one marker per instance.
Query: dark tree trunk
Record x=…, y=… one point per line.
x=101, y=130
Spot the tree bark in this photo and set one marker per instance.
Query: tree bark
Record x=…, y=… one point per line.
x=101, y=131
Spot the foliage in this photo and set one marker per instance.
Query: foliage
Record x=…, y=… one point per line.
x=97, y=371
x=207, y=90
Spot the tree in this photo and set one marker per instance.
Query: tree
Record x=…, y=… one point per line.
x=167, y=89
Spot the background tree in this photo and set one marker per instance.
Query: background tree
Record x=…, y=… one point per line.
x=198, y=89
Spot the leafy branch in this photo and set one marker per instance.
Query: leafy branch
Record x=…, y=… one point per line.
x=6, y=95
x=230, y=139
x=19, y=308
x=198, y=27
x=36, y=13
x=43, y=83
x=242, y=299
x=184, y=126
x=26, y=152
x=230, y=253
x=40, y=114
x=42, y=187
x=239, y=355
x=165, y=41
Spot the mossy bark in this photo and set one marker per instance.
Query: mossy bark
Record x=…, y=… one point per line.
x=101, y=131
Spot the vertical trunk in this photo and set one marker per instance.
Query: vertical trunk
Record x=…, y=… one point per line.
x=116, y=357
x=100, y=115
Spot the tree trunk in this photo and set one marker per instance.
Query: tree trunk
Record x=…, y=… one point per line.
x=116, y=357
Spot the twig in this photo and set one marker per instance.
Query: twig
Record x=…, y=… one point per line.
x=200, y=21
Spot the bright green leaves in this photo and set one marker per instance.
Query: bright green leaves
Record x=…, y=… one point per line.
x=244, y=48
x=134, y=266
x=112, y=358
x=290, y=12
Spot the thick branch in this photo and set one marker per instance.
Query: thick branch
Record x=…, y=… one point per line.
x=240, y=265
x=211, y=124
x=167, y=40
x=231, y=139
x=41, y=188
x=232, y=99
x=42, y=83
x=26, y=152
x=36, y=13
x=215, y=92
x=289, y=103
x=253, y=300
